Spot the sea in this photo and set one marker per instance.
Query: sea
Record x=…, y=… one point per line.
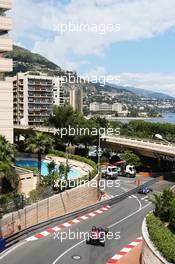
x=166, y=118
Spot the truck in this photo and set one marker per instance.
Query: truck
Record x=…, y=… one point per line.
x=109, y=172
x=125, y=170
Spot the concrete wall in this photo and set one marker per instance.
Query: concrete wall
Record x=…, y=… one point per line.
x=54, y=206
x=150, y=255
x=27, y=181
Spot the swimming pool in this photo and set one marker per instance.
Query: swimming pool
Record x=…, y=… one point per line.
x=44, y=169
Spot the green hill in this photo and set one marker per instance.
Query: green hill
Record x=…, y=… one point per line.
x=24, y=60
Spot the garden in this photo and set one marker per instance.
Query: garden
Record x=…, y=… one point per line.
x=161, y=224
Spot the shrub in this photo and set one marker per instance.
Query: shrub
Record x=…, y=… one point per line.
x=172, y=213
x=39, y=193
x=167, y=198
x=162, y=237
x=58, y=153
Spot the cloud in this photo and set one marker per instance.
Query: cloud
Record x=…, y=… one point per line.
x=153, y=81
x=138, y=19
x=158, y=82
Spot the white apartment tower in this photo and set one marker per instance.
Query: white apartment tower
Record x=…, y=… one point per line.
x=6, y=66
x=34, y=96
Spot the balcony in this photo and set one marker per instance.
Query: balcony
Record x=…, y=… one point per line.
x=6, y=65
x=5, y=44
x=5, y=23
x=40, y=96
x=6, y=4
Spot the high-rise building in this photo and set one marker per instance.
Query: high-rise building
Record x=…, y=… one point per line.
x=58, y=91
x=6, y=66
x=34, y=97
x=76, y=99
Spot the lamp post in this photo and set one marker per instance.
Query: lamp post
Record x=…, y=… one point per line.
x=162, y=138
x=99, y=169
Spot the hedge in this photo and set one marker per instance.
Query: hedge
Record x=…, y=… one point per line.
x=162, y=237
x=62, y=154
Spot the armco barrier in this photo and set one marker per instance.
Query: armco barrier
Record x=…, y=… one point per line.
x=29, y=231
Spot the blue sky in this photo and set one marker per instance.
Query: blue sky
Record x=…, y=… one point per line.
x=141, y=52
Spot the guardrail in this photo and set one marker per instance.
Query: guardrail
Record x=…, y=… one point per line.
x=25, y=233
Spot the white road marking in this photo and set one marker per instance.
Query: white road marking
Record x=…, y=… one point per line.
x=56, y=228
x=45, y=233
x=66, y=224
x=134, y=243
x=117, y=257
x=125, y=250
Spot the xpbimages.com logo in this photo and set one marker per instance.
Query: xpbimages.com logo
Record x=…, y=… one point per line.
x=85, y=131
x=101, y=234
x=77, y=26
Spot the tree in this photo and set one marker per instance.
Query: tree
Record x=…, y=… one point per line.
x=157, y=201
x=130, y=157
x=63, y=118
x=7, y=157
x=163, y=203
x=7, y=150
x=167, y=197
x=172, y=213
x=39, y=143
x=51, y=167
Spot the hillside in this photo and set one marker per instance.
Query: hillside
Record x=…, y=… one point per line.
x=145, y=93
x=24, y=60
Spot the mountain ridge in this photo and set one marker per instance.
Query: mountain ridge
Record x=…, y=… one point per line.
x=25, y=60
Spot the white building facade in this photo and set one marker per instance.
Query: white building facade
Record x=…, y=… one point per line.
x=6, y=66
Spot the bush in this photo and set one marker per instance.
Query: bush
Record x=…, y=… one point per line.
x=162, y=237
x=10, y=202
x=172, y=213
x=41, y=192
x=58, y=153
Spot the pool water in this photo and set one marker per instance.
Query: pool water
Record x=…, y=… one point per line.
x=44, y=169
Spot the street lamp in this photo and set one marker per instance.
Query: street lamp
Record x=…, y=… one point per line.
x=162, y=138
x=99, y=169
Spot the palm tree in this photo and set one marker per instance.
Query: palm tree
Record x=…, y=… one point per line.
x=158, y=202
x=7, y=156
x=39, y=143
x=51, y=167
x=7, y=150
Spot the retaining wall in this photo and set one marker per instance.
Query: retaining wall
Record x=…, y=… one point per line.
x=57, y=205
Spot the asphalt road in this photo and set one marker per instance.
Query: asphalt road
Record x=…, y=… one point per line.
x=124, y=218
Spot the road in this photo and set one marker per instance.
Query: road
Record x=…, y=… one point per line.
x=125, y=217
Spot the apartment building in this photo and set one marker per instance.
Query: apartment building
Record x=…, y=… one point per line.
x=6, y=66
x=58, y=91
x=34, y=97
x=76, y=99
